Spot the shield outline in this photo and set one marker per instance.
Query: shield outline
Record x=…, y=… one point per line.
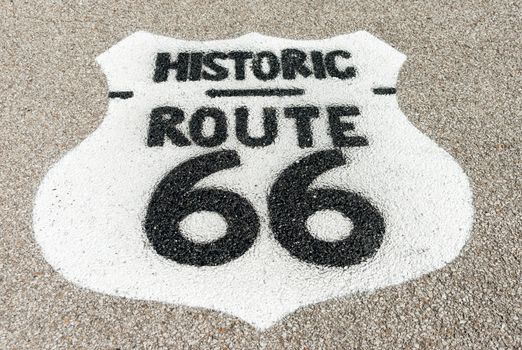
x=104, y=60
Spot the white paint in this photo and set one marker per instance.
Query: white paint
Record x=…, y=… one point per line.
x=329, y=225
x=89, y=208
x=203, y=226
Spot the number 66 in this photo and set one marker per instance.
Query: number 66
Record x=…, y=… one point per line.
x=290, y=203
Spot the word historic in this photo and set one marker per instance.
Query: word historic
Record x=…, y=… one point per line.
x=264, y=65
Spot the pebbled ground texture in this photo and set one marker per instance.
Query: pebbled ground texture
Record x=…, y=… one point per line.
x=461, y=86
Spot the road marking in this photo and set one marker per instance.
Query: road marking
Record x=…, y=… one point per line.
x=253, y=176
x=121, y=94
x=384, y=91
x=253, y=92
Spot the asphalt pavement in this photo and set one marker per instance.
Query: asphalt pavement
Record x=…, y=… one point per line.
x=460, y=86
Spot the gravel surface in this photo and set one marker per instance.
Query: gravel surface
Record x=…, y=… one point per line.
x=461, y=86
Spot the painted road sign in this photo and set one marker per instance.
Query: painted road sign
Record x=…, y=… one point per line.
x=252, y=176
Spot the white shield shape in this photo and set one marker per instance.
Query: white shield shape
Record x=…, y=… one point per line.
x=252, y=176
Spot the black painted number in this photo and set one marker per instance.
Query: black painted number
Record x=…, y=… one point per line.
x=290, y=204
x=174, y=199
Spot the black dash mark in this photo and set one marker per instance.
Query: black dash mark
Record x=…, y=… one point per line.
x=121, y=94
x=384, y=91
x=253, y=92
